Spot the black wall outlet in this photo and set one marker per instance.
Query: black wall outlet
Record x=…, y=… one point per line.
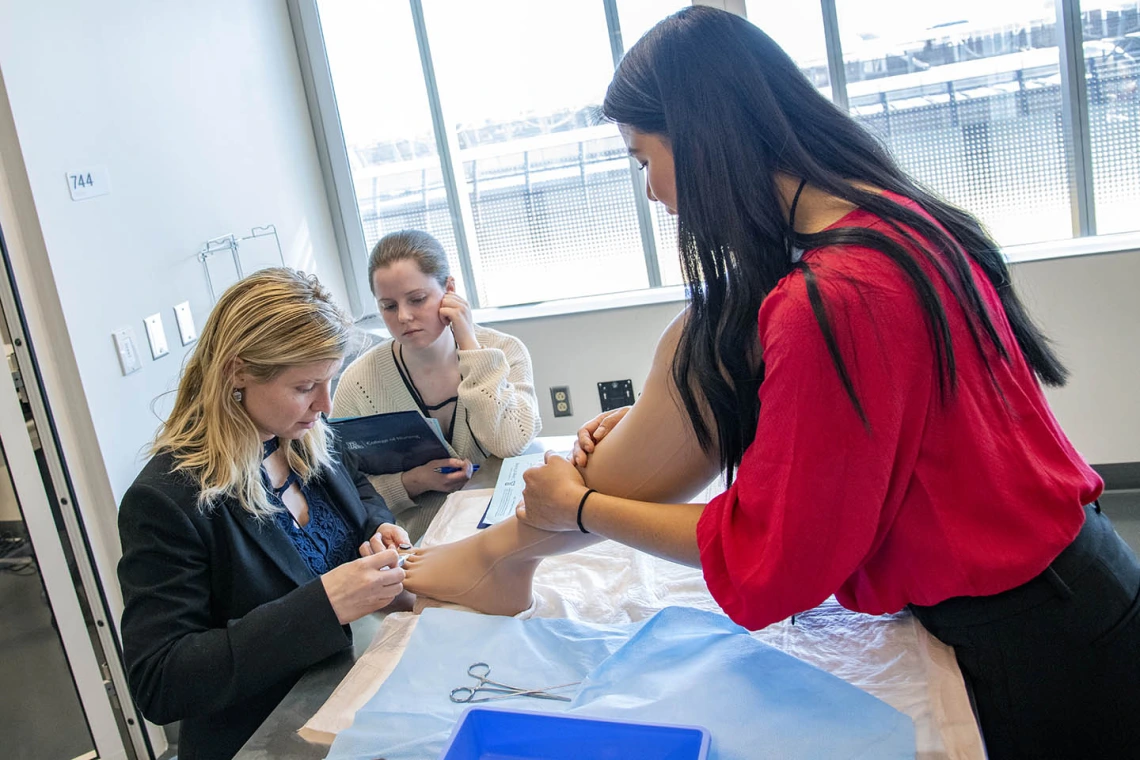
x=560, y=400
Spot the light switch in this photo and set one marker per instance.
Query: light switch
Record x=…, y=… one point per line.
x=156, y=335
x=127, y=348
x=185, y=321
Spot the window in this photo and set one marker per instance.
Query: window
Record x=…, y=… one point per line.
x=545, y=196
x=968, y=98
x=971, y=99
x=1112, y=71
x=550, y=193
x=386, y=121
x=797, y=28
x=477, y=122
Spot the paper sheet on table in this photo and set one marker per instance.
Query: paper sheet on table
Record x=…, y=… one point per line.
x=891, y=657
x=682, y=666
x=369, y=671
x=509, y=488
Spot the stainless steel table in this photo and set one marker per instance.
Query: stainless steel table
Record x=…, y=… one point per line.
x=277, y=737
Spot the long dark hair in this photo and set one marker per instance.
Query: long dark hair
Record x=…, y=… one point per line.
x=735, y=110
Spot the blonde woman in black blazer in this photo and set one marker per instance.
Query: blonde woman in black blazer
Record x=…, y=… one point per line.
x=249, y=539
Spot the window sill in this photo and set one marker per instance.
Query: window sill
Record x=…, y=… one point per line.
x=585, y=304
x=1056, y=249
x=373, y=324
x=1122, y=242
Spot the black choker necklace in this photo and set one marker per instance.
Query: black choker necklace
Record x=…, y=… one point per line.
x=269, y=447
x=788, y=241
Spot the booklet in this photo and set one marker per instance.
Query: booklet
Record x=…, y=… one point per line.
x=393, y=442
x=509, y=488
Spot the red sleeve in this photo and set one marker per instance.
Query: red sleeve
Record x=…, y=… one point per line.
x=814, y=491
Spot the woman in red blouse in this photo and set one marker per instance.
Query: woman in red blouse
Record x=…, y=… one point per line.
x=871, y=382
x=856, y=358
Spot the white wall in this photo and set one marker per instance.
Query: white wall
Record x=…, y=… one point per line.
x=1088, y=305
x=581, y=350
x=198, y=113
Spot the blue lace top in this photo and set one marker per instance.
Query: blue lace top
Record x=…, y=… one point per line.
x=326, y=541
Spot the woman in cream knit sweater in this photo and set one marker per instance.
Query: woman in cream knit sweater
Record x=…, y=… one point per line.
x=476, y=382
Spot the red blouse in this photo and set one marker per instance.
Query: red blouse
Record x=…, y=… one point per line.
x=967, y=497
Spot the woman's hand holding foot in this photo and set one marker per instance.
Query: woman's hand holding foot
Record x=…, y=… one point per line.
x=552, y=495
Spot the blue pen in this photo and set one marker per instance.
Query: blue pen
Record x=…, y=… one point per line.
x=449, y=470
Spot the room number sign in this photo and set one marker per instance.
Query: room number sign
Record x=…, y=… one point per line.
x=88, y=182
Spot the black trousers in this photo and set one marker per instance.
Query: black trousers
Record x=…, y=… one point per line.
x=1054, y=664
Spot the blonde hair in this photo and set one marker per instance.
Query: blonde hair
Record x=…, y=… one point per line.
x=270, y=321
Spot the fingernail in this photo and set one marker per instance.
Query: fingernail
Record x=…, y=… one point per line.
x=405, y=546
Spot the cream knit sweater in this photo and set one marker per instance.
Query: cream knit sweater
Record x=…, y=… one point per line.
x=496, y=415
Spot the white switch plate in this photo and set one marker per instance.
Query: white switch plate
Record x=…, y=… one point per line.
x=88, y=182
x=127, y=348
x=185, y=321
x=156, y=335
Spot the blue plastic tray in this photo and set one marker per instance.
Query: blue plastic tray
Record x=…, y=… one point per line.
x=486, y=734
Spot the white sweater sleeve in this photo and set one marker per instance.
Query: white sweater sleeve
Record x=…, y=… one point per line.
x=497, y=388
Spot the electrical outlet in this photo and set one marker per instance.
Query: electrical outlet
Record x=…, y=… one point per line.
x=615, y=393
x=560, y=400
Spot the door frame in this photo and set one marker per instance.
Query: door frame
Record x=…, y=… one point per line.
x=117, y=728
x=53, y=568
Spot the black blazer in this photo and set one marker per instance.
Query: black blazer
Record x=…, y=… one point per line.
x=222, y=616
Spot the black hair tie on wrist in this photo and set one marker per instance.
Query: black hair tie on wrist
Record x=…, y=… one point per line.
x=581, y=504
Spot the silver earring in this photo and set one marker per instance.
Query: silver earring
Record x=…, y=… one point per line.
x=237, y=395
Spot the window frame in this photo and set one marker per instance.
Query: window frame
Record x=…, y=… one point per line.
x=349, y=232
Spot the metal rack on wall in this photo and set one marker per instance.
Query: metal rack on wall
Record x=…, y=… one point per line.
x=232, y=244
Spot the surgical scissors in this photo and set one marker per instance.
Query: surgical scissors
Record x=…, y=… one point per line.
x=480, y=672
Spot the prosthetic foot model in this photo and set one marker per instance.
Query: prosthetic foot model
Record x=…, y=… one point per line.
x=651, y=455
x=491, y=571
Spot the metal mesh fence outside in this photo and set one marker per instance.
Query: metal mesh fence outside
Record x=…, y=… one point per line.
x=571, y=231
x=413, y=199
x=560, y=221
x=1114, y=126
x=995, y=148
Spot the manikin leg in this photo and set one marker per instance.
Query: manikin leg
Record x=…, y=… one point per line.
x=651, y=455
